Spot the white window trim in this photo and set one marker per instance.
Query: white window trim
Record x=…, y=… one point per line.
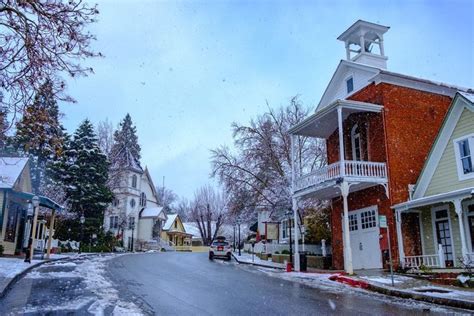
x=434, y=209
x=353, y=138
x=467, y=231
x=470, y=138
x=346, y=81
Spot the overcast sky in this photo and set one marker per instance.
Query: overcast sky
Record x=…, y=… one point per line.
x=186, y=70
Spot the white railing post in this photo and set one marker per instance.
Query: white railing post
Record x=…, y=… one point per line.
x=323, y=247
x=341, y=142
x=442, y=260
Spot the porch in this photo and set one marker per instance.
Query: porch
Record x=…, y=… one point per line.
x=355, y=141
x=437, y=232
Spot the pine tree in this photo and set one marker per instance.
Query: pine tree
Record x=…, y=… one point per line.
x=40, y=135
x=84, y=173
x=125, y=139
x=3, y=127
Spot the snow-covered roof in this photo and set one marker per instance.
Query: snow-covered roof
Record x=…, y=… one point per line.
x=151, y=211
x=469, y=96
x=170, y=221
x=125, y=159
x=191, y=228
x=10, y=170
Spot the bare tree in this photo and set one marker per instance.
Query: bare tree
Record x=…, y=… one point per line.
x=257, y=173
x=208, y=210
x=166, y=197
x=40, y=40
x=105, y=133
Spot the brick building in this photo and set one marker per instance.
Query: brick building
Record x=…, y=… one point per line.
x=379, y=127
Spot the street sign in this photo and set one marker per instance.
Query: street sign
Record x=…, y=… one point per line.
x=383, y=221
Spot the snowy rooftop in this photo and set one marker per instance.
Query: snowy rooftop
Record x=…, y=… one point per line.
x=469, y=96
x=192, y=229
x=10, y=170
x=151, y=211
x=170, y=221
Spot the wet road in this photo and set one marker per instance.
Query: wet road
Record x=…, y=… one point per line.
x=190, y=284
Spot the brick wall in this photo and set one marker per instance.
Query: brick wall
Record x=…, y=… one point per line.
x=401, y=136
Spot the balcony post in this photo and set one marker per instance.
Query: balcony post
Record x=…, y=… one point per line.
x=458, y=209
x=294, y=201
x=347, y=235
x=342, y=155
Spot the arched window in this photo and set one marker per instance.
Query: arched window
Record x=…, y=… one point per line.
x=134, y=181
x=143, y=199
x=356, y=143
x=132, y=203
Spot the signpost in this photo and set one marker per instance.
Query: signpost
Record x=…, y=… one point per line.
x=383, y=224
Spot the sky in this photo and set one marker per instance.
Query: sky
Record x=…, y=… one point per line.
x=185, y=70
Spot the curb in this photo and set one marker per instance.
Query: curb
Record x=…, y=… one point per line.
x=403, y=294
x=420, y=297
x=255, y=264
x=20, y=275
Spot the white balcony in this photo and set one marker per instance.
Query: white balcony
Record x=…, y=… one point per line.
x=362, y=173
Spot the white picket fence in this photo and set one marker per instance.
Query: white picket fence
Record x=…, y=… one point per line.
x=429, y=261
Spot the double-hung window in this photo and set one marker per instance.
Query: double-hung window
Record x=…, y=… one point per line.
x=113, y=222
x=464, y=152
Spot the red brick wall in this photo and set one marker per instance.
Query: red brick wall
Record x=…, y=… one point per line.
x=409, y=124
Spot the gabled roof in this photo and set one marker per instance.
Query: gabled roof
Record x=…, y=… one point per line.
x=126, y=160
x=382, y=75
x=169, y=222
x=152, y=185
x=153, y=212
x=461, y=101
x=10, y=170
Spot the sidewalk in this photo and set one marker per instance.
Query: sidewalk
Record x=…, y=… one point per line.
x=413, y=288
x=246, y=258
x=12, y=269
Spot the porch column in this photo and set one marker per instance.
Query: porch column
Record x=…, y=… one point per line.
x=50, y=233
x=458, y=209
x=296, y=257
x=342, y=172
x=294, y=202
x=347, y=237
x=401, y=250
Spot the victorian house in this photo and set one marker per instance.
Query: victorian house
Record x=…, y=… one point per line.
x=379, y=127
x=134, y=216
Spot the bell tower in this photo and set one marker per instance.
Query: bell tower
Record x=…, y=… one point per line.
x=364, y=43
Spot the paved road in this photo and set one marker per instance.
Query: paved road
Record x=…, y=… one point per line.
x=190, y=284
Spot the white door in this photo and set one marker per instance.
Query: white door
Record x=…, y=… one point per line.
x=364, y=234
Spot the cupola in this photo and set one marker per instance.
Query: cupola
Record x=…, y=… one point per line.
x=364, y=43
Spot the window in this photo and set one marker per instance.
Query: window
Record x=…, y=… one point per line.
x=350, y=85
x=463, y=148
x=356, y=143
x=284, y=228
x=134, y=181
x=132, y=203
x=143, y=199
x=368, y=219
x=353, y=222
x=131, y=222
x=176, y=224
x=115, y=202
x=113, y=222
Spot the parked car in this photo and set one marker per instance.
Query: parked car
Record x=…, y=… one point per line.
x=220, y=249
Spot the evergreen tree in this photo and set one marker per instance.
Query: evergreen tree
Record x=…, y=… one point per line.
x=3, y=127
x=40, y=135
x=84, y=173
x=125, y=139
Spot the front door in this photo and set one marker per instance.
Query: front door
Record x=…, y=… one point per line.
x=443, y=234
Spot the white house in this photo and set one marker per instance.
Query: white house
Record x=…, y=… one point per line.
x=134, y=215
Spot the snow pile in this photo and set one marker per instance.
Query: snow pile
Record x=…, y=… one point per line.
x=244, y=257
x=10, y=267
x=445, y=292
x=91, y=270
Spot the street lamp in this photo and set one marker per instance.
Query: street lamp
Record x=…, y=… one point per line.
x=82, y=220
x=289, y=213
x=234, y=238
x=238, y=224
x=35, y=201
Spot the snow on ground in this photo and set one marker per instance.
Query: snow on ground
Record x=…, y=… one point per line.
x=92, y=271
x=245, y=257
x=10, y=267
x=397, y=279
x=446, y=292
x=321, y=281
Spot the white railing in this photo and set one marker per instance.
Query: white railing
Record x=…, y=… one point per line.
x=429, y=261
x=358, y=169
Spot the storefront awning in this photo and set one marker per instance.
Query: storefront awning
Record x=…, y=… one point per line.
x=43, y=200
